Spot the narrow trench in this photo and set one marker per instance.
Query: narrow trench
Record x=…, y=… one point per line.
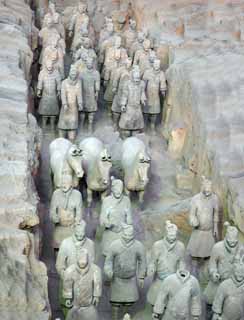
x=160, y=194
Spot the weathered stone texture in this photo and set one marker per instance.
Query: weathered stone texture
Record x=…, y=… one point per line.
x=23, y=279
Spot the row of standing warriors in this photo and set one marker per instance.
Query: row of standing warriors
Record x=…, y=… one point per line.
x=174, y=293
x=132, y=79
x=129, y=92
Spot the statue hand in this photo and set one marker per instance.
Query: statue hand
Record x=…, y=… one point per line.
x=215, y=276
x=123, y=108
x=141, y=283
x=114, y=90
x=215, y=233
x=39, y=94
x=109, y=275
x=143, y=102
x=95, y=301
x=163, y=93
x=105, y=83
x=71, y=34
x=65, y=107
x=68, y=303
x=96, y=95
x=196, y=318
x=80, y=107
x=59, y=94
x=216, y=316
x=55, y=219
x=155, y=316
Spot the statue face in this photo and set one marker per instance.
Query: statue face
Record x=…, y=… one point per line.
x=52, y=7
x=117, y=190
x=136, y=76
x=82, y=8
x=49, y=66
x=82, y=259
x=207, y=190
x=73, y=73
x=146, y=45
x=140, y=37
x=171, y=237
x=86, y=43
x=80, y=232
x=66, y=183
x=239, y=271
x=128, y=234
x=128, y=63
x=232, y=239
x=110, y=28
x=156, y=65
x=89, y=64
x=133, y=24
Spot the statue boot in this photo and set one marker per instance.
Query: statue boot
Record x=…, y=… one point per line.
x=44, y=122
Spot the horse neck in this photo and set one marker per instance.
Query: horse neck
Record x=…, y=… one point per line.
x=132, y=172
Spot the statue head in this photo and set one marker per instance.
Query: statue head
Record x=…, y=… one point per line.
x=140, y=36
x=156, y=65
x=117, y=42
x=82, y=258
x=84, y=56
x=127, y=233
x=89, y=63
x=231, y=236
x=49, y=66
x=238, y=268
x=152, y=56
x=128, y=63
x=80, y=230
x=66, y=183
x=107, y=20
x=132, y=24
x=206, y=187
x=110, y=27
x=73, y=73
x=171, y=232
x=146, y=45
x=136, y=77
x=52, y=7
x=86, y=43
x=117, y=187
x=82, y=7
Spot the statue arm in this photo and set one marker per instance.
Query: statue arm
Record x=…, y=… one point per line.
x=58, y=84
x=142, y=264
x=196, y=304
x=97, y=289
x=129, y=219
x=72, y=23
x=104, y=216
x=97, y=84
x=162, y=299
x=79, y=209
x=181, y=262
x=109, y=264
x=193, y=219
x=213, y=264
x=40, y=84
x=79, y=96
x=136, y=58
x=216, y=216
x=153, y=261
x=124, y=98
x=219, y=299
x=61, y=260
x=163, y=86
x=54, y=209
x=68, y=283
x=63, y=94
x=143, y=93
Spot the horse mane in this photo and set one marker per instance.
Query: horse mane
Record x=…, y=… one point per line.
x=131, y=149
x=60, y=145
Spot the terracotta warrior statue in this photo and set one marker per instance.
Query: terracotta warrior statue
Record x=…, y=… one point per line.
x=56, y=18
x=130, y=36
x=113, y=57
x=70, y=246
x=115, y=212
x=229, y=300
x=142, y=56
x=125, y=267
x=155, y=85
x=138, y=43
x=80, y=64
x=222, y=260
x=82, y=288
x=86, y=47
x=179, y=298
x=72, y=101
x=90, y=81
x=65, y=210
x=49, y=90
x=203, y=218
x=168, y=256
x=79, y=20
x=121, y=76
x=104, y=44
x=133, y=97
x=55, y=51
x=106, y=31
x=47, y=32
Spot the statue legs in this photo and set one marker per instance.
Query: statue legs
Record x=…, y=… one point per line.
x=72, y=135
x=44, y=122
x=115, y=311
x=82, y=119
x=61, y=133
x=116, y=117
x=153, y=119
x=89, y=197
x=91, y=116
x=52, y=122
